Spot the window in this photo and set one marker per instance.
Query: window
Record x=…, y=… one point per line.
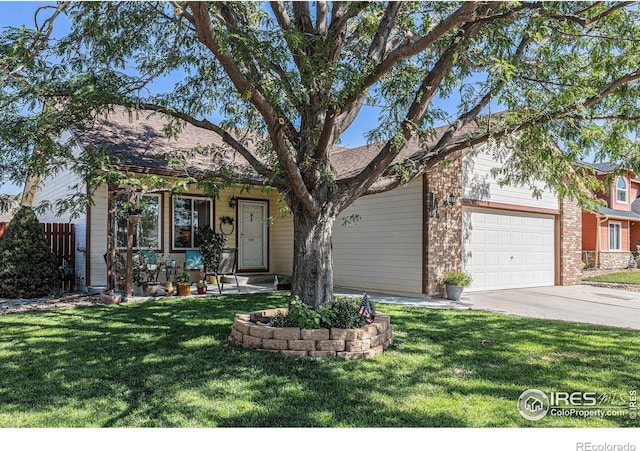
x=146, y=234
x=189, y=213
x=615, y=235
x=621, y=190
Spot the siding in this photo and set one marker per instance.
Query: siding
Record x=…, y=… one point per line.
x=383, y=250
x=589, y=225
x=58, y=187
x=282, y=254
x=479, y=184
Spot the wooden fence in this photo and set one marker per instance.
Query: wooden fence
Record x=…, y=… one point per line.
x=62, y=240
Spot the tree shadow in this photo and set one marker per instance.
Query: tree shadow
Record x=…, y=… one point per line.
x=166, y=363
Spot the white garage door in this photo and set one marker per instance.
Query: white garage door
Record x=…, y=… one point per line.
x=508, y=249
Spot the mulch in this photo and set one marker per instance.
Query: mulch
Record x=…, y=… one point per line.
x=43, y=304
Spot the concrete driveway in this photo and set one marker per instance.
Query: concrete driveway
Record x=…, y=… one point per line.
x=579, y=303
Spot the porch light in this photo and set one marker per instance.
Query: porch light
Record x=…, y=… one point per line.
x=452, y=199
x=233, y=202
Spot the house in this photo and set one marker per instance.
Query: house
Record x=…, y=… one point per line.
x=453, y=217
x=611, y=233
x=6, y=216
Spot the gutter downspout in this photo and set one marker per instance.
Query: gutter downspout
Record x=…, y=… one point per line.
x=599, y=220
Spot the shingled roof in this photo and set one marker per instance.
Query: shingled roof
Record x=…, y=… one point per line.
x=139, y=141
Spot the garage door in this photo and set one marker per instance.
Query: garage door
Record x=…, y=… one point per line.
x=508, y=249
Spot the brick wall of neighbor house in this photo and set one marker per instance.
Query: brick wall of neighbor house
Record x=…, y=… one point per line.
x=443, y=240
x=570, y=242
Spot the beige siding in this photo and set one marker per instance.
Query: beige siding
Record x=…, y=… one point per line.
x=282, y=255
x=60, y=186
x=479, y=184
x=383, y=250
x=98, y=237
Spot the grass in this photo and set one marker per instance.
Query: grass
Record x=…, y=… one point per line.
x=632, y=277
x=166, y=363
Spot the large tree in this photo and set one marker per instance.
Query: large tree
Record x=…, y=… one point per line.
x=287, y=80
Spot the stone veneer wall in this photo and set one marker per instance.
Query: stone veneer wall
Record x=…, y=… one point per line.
x=349, y=344
x=443, y=235
x=570, y=242
x=614, y=259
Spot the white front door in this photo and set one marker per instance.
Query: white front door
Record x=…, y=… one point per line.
x=252, y=235
x=508, y=249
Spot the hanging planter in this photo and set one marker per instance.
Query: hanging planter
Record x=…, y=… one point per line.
x=135, y=219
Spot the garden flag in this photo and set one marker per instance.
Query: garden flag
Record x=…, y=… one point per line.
x=365, y=309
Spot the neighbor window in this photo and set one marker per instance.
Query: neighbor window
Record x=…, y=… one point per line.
x=615, y=236
x=621, y=190
x=146, y=234
x=189, y=213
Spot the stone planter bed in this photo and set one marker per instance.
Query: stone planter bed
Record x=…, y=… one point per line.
x=349, y=344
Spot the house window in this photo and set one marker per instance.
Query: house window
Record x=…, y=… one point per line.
x=621, y=190
x=615, y=235
x=189, y=213
x=146, y=234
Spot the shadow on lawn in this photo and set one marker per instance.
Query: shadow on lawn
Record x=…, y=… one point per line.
x=166, y=363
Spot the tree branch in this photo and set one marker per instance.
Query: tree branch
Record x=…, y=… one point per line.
x=359, y=184
x=376, y=51
x=276, y=124
x=322, y=16
x=205, y=124
x=463, y=14
x=39, y=41
x=567, y=112
x=302, y=17
x=590, y=20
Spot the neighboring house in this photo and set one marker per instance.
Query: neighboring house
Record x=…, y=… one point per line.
x=610, y=234
x=6, y=216
x=453, y=217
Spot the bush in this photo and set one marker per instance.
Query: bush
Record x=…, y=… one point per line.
x=345, y=314
x=342, y=314
x=302, y=316
x=27, y=265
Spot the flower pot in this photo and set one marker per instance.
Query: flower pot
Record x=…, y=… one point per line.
x=135, y=219
x=136, y=290
x=202, y=290
x=168, y=288
x=184, y=289
x=111, y=298
x=212, y=279
x=150, y=288
x=454, y=292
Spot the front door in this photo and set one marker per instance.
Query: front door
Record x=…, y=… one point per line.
x=252, y=235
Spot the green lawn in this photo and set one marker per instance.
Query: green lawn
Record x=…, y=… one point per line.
x=166, y=363
x=618, y=277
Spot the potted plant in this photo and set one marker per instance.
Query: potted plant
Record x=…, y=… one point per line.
x=284, y=284
x=146, y=271
x=202, y=287
x=454, y=283
x=128, y=211
x=184, y=284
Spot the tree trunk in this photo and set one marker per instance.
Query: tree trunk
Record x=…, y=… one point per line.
x=312, y=279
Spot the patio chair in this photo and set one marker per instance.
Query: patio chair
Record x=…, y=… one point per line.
x=227, y=266
x=193, y=262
